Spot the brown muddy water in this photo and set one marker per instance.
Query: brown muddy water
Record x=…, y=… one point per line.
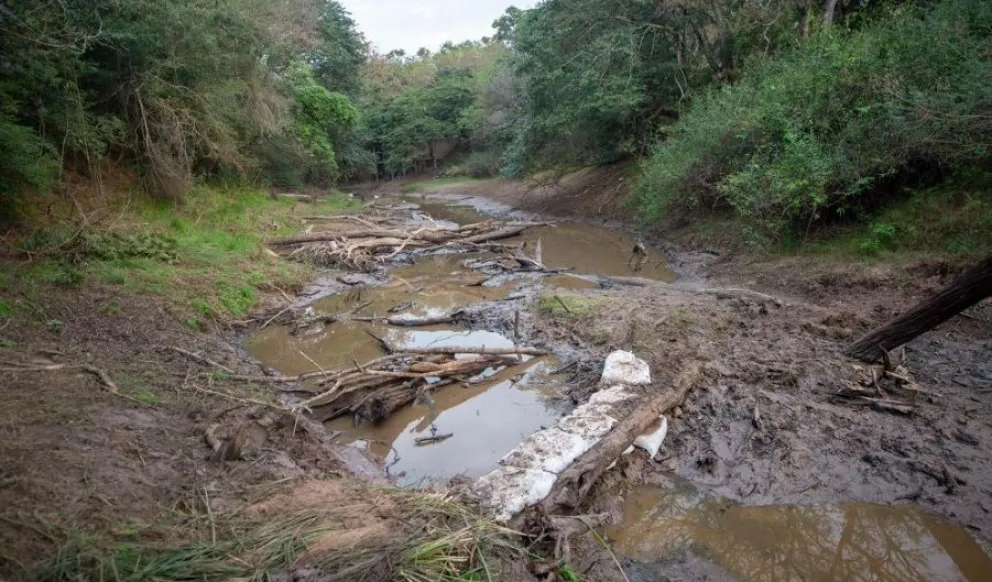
x=846, y=542
x=486, y=421
x=580, y=248
x=489, y=416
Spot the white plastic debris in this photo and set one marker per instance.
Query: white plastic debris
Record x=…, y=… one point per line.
x=625, y=368
x=550, y=450
x=651, y=441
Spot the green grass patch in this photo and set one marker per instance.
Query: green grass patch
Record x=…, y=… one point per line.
x=943, y=221
x=7, y=344
x=112, y=309
x=564, y=306
x=429, y=186
x=205, y=255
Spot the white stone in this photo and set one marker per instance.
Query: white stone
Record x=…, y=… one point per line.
x=612, y=395
x=507, y=490
x=625, y=368
x=650, y=442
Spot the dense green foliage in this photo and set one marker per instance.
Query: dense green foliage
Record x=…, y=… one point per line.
x=781, y=113
x=412, y=104
x=597, y=77
x=829, y=128
x=174, y=88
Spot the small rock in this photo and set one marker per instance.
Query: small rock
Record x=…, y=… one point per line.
x=677, y=413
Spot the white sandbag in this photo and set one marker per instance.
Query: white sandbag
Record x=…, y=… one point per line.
x=507, y=491
x=550, y=450
x=625, y=368
x=592, y=427
x=650, y=442
x=611, y=395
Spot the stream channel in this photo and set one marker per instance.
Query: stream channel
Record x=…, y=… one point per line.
x=668, y=533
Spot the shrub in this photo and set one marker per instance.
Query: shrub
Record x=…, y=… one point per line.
x=27, y=164
x=821, y=130
x=483, y=164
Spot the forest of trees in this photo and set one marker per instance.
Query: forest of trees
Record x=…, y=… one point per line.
x=785, y=113
x=178, y=89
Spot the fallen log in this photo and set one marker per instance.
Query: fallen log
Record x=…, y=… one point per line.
x=515, y=351
x=575, y=482
x=373, y=394
x=501, y=233
x=966, y=290
x=400, y=321
x=436, y=235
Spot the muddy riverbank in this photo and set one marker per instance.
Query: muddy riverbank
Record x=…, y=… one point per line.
x=767, y=427
x=764, y=428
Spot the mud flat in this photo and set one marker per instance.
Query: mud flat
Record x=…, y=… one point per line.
x=768, y=424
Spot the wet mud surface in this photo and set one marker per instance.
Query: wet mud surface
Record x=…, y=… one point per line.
x=765, y=449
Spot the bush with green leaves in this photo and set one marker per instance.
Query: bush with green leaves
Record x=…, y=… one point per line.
x=318, y=111
x=27, y=165
x=826, y=128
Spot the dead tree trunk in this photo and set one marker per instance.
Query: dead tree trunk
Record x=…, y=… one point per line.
x=968, y=289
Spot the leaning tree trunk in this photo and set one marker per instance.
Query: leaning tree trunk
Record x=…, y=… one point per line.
x=968, y=289
x=828, y=12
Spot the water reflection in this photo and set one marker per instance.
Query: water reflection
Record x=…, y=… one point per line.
x=487, y=420
x=849, y=542
x=582, y=248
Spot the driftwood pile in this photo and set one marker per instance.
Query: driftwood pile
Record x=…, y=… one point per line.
x=370, y=392
x=362, y=243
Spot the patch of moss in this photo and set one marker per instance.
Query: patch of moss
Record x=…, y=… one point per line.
x=563, y=306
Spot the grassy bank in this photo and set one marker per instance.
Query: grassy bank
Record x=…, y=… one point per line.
x=949, y=222
x=429, y=186
x=205, y=256
x=347, y=530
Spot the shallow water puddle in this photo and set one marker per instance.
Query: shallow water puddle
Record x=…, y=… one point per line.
x=582, y=248
x=433, y=286
x=846, y=542
x=486, y=422
x=487, y=416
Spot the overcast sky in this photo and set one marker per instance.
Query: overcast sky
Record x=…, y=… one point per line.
x=411, y=24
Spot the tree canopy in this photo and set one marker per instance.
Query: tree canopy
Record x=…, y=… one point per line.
x=174, y=88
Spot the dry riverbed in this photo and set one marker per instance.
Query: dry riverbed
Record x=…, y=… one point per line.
x=762, y=444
